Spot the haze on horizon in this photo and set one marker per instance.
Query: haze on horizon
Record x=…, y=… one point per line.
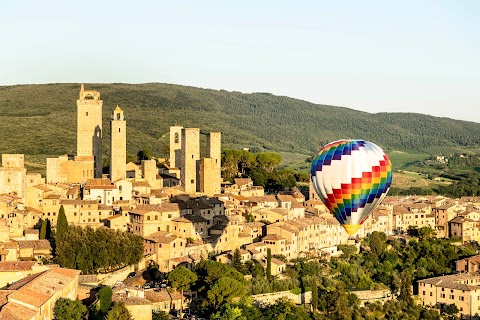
x=368, y=55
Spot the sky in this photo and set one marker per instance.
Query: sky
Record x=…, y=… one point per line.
x=374, y=56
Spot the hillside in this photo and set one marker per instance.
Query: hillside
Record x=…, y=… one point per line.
x=41, y=119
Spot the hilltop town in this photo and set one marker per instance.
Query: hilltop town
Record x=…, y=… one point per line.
x=185, y=214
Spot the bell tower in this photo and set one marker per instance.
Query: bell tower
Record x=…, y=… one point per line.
x=118, y=145
x=89, y=127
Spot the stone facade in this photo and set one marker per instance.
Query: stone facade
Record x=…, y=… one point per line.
x=214, y=152
x=175, y=146
x=190, y=157
x=89, y=127
x=118, y=145
x=13, y=175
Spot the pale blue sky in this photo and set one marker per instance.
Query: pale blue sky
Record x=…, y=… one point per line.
x=393, y=56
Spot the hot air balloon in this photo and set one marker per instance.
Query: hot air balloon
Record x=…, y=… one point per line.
x=351, y=177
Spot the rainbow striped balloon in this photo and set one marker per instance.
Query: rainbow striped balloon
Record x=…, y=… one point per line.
x=351, y=177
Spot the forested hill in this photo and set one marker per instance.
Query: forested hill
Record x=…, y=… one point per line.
x=41, y=119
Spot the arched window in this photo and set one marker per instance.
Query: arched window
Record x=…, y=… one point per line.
x=118, y=116
x=177, y=138
x=148, y=217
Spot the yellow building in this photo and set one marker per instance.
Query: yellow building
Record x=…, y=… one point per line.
x=89, y=127
x=13, y=175
x=11, y=272
x=34, y=297
x=118, y=145
x=189, y=161
x=462, y=289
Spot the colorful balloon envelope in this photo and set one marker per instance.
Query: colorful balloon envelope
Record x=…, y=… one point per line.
x=351, y=177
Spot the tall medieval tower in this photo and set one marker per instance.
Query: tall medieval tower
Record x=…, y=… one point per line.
x=118, y=145
x=211, y=166
x=89, y=127
x=175, y=146
x=190, y=158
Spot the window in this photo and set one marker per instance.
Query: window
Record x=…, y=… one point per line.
x=86, y=114
x=118, y=118
x=118, y=129
x=177, y=138
x=461, y=298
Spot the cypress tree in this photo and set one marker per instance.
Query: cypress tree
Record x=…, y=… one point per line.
x=269, y=264
x=62, y=224
x=48, y=229
x=43, y=229
x=314, y=296
x=237, y=261
x=105, y=296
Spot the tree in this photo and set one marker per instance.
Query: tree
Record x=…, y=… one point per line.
x=451, y=310
x=405, y=287
x=269, y=264
x=43, y=229
x=62, y=224
x=377, y=239
x=160, y=315
x=66, y=309
x=268, y=160
x=181, y=278
x=105, y=297
x=144, y=155
x=228, y=312
x=48, y=231
x=118, y=312
x=314, y=296
x=225, y=290
x=237, y=261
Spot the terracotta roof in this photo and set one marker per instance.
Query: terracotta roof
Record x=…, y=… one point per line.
x=195, y=218
x=53, y=196
x=98, y=182
x=35, y=244
x=16, y=265
x=42, y=187
x=78, y=202
x=113, y=217
x=255, y=224
x=273, y=237
x=130, y=301
x=15, y=311
x=30, y=209
x=161, y=237
x=140, y=184
x=157, y=295
x=36, y=289
x=181, y=219
x=73, y=190
x=285, y=198
x=454, y=281
x=278, y=262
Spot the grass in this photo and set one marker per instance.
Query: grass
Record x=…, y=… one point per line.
x=401, y=159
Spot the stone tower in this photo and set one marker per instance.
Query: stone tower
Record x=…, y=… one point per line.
x=208, y=182
x=214, y=152
x=89, y=127
x=118, y=145
x=190, y=158
x=175, y=146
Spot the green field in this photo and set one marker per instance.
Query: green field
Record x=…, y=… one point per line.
x=402, y=159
